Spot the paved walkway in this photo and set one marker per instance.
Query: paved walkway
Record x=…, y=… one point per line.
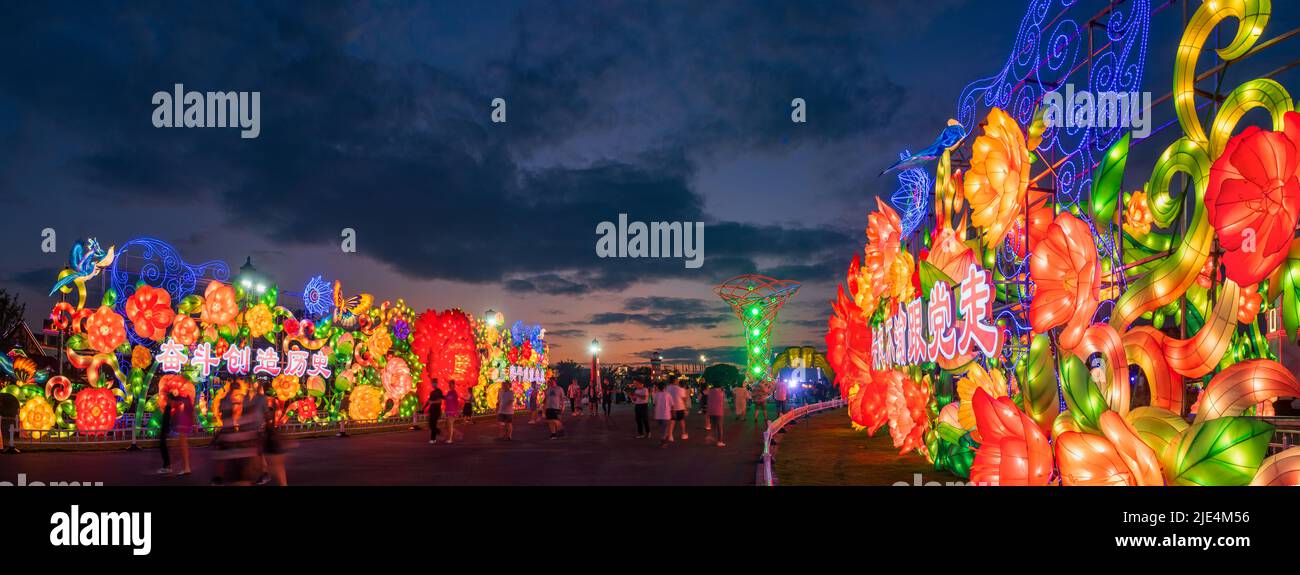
x=822, y=449
x=596, y=451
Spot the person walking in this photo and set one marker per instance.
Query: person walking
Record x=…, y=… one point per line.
x=607, y=397
x=680, y=403
x=759, y=394
x=740, y=400
x=780, y=394
x=451, y=406
x=641, y=406
x=717, y=408
x=532, y=403
x=467, y=409
x=574, y=392
x=663, y=405
x=164, y=429
x=506, y=411
x=433, y=408
x=554, y=406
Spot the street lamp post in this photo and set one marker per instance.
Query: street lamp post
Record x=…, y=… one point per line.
x=595, y=361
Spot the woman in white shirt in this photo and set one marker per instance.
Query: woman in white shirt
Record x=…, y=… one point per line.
x=663, y=414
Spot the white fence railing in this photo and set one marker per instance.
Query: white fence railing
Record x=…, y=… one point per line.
x=774, y=427
x=127, y=433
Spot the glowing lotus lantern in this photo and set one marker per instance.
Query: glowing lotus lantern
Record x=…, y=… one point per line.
x=1013, y=448
x=1067, y=280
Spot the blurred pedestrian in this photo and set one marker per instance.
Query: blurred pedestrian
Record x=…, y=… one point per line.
x=780, y=394
x=740, y=399
x=607, y=397
x=680, y=402
x=433, y=408
x=506, y=411
x=533, y=404
x=641, y=407
x=164, y=429
x=663, y=406
x=574, y=392
x=554, y=406
x=451, y=406
x=717, y=407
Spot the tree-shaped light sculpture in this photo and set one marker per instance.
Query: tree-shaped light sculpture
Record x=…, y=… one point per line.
x=756, y=299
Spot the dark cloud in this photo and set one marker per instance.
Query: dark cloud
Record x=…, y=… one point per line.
x=380, y=146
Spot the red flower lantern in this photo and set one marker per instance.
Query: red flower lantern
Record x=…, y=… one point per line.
x=96, y=409
x=185, y=330
x=1253, y=199
x=105, y=330
x=150, y=312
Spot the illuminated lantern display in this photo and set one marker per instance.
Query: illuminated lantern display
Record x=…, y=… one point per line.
x=756, y=300
x=1002, y=332
x=444, y=342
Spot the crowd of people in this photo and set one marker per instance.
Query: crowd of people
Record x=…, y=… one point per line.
x=667, y=403
x=249, y=449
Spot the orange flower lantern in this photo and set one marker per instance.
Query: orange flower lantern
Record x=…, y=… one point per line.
x=219, y=305
x=1253, y=199
x=286, y=387
x=1067, y=279
x=105, y=330
x=996, y=182
x=185, y=330
x=36, y=416
x=1117, y=457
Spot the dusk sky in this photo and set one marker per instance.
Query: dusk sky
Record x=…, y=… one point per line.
x=376, y=116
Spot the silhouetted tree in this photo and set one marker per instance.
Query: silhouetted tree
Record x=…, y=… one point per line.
x=724, y=374
x=11, y=311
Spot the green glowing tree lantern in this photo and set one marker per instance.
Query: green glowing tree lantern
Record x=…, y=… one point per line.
x=756, y=300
